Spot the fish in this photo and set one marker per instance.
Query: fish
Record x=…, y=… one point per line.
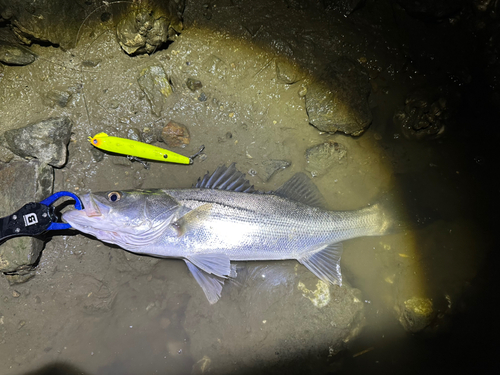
x=222, y=219
x=137, y=149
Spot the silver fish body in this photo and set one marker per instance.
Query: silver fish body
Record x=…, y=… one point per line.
x=209, y=226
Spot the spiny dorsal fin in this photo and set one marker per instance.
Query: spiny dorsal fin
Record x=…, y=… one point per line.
x=301, y=189
x=226, y=178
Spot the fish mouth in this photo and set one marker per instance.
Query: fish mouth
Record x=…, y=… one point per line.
x=92, y=210
x=90, y=206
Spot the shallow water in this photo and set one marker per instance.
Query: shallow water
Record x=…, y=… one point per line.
x=107, y=311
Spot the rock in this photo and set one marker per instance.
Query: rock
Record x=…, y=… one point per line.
x=46, y=141
x=416, y=313
x=193, y=84
x=339, y=100
x=270, y=167
x=134, y=134
x=12, y=54
x=155, y=84
x=287, y=72
x=22, y=182
x=47, y=21
x=266, y=311
x=5, y=154
x=425, y=115
x=57, y=97
x=175, y=135
x=148, y=135
x=144, y=30
x=97, y=154
x=322, y=157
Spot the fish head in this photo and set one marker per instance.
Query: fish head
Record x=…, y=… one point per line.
x=129, y=219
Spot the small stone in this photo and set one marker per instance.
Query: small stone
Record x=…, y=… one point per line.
x=56, y=97
x=120, y=160
x=91, y=63
x=287, y=72
x=97, y=154
x=175, y=134
x=148, y=136
x=322, y=157
x=134, y=134
x=270, y=167
x=193, y=84
x=16, y=294
x=202, y=97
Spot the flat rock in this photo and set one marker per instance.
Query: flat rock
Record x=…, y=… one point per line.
x=12, y=54
x=320, y=158
x=155, y=84
x=338, y=101
x=22, y=182
x=48, y=21
x=46, y=140
x=270, y=167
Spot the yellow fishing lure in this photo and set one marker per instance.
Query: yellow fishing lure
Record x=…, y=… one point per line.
x=138, y=149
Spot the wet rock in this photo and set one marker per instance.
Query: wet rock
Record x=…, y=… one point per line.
x=416, y=313
x=22, y=182
x=287, y=72
x=120, y=160
x=12, y=54
x=175, y=135
x=97, y=154
x=339, y=101
x=149, y=136
x=193, y=84
x=155, y=84
x=134, y=134
x=5, y=154
x=425, y=115
x=48, y=21
x=144, y=30
x=57, y=97
x=269, y=320
x=270, y=167
x=46, y=141
x=202, y=97
x=322, y=157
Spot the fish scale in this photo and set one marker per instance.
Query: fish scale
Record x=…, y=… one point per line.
x=209, y=226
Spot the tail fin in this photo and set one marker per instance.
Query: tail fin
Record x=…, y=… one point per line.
x=400, y=214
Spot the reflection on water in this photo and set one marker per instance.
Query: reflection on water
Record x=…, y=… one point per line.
x=106, y=311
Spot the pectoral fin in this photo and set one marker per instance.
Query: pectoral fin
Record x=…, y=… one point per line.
x=324, y=262
x=211, y=284
x=192, y=219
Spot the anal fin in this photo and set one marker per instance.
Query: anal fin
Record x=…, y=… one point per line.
x=324, y=262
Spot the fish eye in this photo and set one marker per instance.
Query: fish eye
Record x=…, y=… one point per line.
x=114, y=196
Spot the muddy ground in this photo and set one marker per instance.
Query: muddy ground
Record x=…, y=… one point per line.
x=93, y=308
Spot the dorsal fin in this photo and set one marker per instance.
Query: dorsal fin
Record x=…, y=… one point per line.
x=301, y=189
x=226, y=178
